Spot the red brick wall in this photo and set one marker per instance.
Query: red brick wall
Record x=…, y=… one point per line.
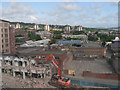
x=61, y=56
x=101, y=75
x=90, y=51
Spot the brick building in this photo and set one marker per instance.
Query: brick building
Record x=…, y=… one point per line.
x=41, y=54
x=7, y=40
x=12, y=40
x=79, y=53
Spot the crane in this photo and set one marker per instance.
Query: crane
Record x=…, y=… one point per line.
x=57, y=78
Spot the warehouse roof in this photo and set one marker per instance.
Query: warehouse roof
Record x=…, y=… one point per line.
x=69, y=42
x=38, y=51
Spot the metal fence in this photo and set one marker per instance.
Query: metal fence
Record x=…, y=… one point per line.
x=88, y=83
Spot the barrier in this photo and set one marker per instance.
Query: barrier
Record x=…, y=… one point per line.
x=94, y=84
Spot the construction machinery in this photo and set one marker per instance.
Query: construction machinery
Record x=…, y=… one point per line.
x=57, y=78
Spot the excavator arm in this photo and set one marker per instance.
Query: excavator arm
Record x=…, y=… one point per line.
x=54, y=62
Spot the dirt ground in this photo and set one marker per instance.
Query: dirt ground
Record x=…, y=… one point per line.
x=9, y=81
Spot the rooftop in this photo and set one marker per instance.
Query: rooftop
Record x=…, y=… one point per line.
x=91, y=44
x=69, y=42
x=40, y=51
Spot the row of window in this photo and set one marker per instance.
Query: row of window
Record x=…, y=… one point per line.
x=5, y=51
x=4, y=24
x=6, y=35
x=6, y=41
x=4, y=30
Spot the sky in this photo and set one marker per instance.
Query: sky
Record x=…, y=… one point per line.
x=87, y=14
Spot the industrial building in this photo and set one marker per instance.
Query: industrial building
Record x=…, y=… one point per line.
x=75, y=36
x=39, y=43
x=44, y=34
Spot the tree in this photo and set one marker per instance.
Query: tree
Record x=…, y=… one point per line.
x=40, y=29
x=91, y=38
x=53, y=41
x=33, y=36
x=19, y=35
x=17, y=40
x=57, y=32
x=58, y=36
x=78, y=32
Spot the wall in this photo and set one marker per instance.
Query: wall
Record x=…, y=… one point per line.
x=12, y=41
x=88, y=52
x=101, y=75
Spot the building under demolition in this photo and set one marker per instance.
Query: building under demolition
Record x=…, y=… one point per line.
x=24, y=66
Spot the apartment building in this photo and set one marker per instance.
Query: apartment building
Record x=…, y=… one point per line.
x=47, y=27
x=7, y=39
x=67, y=29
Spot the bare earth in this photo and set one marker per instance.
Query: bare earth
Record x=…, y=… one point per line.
x=17, y=82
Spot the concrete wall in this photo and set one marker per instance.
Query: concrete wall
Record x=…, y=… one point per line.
x=101, y=75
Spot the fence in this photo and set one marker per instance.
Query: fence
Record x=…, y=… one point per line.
x=87, y=83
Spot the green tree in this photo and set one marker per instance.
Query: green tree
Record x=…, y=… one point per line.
x=53, y=41
x=91, y=38
x=78, y=32
x=17, y=40
x=57, y=32
x=33, y=36
x=58, y=36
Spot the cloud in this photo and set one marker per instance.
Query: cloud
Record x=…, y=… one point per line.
x=62, y=13
x=16, y=11
x=69, y=7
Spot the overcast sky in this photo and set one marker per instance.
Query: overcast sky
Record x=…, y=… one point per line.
x=88, y=14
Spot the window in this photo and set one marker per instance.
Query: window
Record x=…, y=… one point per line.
x=6, y=40
x=1, y=24
x=6, y=35
x=6, y=50
x=25, y=63
x=57, y=58
x=6, y=24
x=6, y=30
x=2, y=46
x=43, y=57
x=2, y=35
x=6, y=45
x=1, y=29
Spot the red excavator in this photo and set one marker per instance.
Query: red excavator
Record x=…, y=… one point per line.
x=57, y=78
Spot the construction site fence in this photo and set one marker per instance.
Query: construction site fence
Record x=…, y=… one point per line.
x=94, y=84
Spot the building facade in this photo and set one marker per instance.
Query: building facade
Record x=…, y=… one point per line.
x=36, y=27
x=7, y=40
x=47, y=28
x=67, y=29
x=79, y=28
x=17, y=25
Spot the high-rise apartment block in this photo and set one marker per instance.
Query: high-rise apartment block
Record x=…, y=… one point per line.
x=47, y=28
x=17, y=25
x=67, y=29
x=7, y=38
x=36, y=27
x=79, y=28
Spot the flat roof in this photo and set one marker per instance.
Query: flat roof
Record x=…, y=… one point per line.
x=38, y=51
x=91, y=44
x=69, y=42
x=4, y=20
